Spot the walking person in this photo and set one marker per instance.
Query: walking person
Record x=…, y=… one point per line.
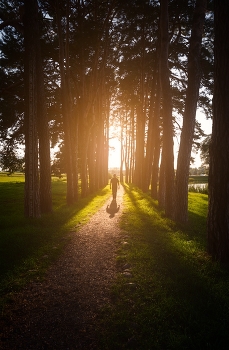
x=114, y=185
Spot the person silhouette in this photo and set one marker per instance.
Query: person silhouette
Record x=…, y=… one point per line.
x=114, y=185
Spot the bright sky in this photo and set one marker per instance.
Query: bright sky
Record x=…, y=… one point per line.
x=206, y=125
x=114, y=153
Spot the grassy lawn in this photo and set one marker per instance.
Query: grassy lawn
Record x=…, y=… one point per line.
x=174, y=296
x=170, y=296
x=27, y=247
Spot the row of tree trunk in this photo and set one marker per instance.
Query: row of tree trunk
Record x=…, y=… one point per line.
x=156, y=155
x=141, y=153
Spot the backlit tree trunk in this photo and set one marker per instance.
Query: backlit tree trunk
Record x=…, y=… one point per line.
x=194, y=77
x=122, y=149
x=141, y=117
x=44, y=140
x=218, y=212
x=156, y=144
x=139, y=157
x=168, y=157
x=66, y=110
x=150, y=141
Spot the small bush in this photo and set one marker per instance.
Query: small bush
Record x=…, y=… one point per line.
x=198, y=189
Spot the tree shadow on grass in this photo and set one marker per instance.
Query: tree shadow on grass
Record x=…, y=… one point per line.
x=181, y=293
x=24, y=239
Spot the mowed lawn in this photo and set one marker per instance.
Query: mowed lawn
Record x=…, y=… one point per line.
x=168, y=293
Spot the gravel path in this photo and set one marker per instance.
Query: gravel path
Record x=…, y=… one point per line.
x=61, y=311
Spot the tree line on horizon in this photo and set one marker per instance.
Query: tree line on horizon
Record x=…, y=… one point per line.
x=71, y=69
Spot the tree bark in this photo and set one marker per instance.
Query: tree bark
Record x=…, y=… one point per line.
x=139, y=157
x=168, y=157
x=218, y=211
x=66, y=110
x=149, y=141
x=43, y=134
x=122, y=150
x=32, y=197
x=156, y=144
x=194, y=77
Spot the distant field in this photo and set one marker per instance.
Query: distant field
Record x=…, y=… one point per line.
x=20, y=177
x=15, y=177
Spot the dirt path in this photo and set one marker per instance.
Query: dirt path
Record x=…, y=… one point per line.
x=60, y=312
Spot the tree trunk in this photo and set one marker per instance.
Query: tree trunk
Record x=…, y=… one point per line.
x=139, y=157
x=156, y=144
x=102, y=116
x=93, y=162
x=85, y=135
x=106, y=140
x=218, y=211
x=121, y=150
x=194, y=77
x=32, y=198
x=66, y=110
x=155, y=170
x=74, y=148
x=168, y=157
x=133, y=145
x=162, y=188
x=127, y=155
x=149, y=141
x=44, y=141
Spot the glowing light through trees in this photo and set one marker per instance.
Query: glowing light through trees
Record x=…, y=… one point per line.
x=114, y=148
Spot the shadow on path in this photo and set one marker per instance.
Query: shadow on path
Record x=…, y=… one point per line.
x=113, y=208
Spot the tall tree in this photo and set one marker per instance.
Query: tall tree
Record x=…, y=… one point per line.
x=31, y=34
x=167, y=153
x=156, y=141
x=141, y=108
x=35, y=114
x=192, y=95
x=66, y=101
x=218, y=211
x=43, y=131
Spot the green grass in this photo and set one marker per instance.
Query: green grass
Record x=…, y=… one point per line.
x=176, y=298
x=27, y=247
x=15, y=177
